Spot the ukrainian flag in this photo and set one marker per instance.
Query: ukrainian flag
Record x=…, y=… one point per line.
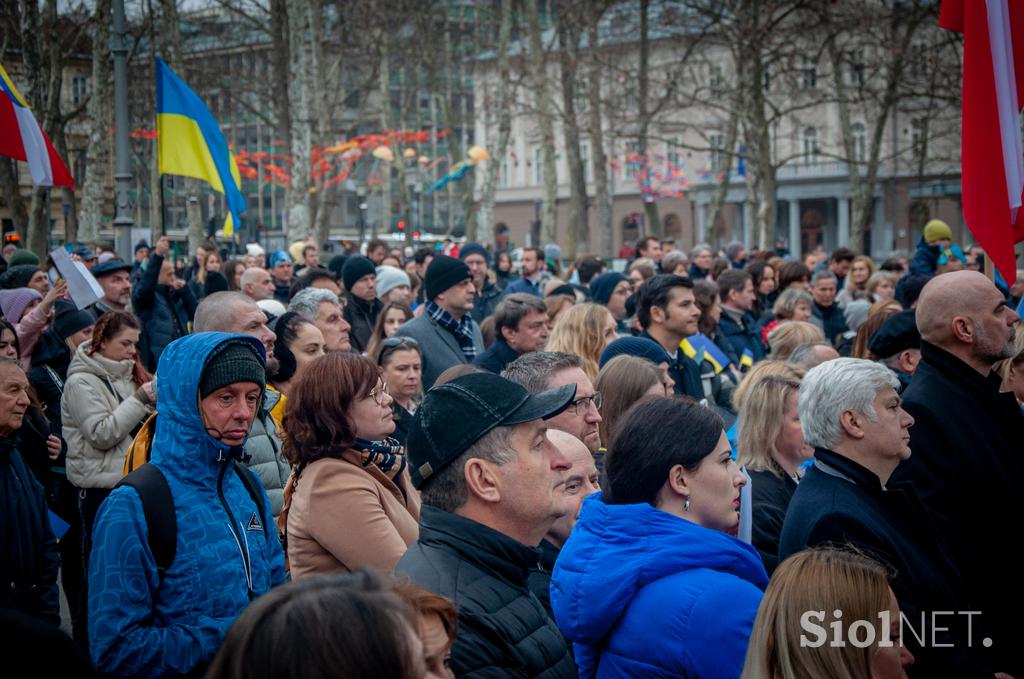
x=746, y=360
x=709, y=351
x=190, y=142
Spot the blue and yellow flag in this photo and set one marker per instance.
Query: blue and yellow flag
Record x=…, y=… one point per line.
x=709, y=351
x=190, y=142
x=746, y=359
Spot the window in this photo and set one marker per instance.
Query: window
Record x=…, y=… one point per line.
x=860, y=142
x=538, y=165
x=808, y=74
x=503, y=171
x=811, y=150
x=856, y=71
x=716, y=78
x=673, y=159
x=585, y=161
x=79, y=88
x=633, y=160
x=716, y=155
x=919, y=137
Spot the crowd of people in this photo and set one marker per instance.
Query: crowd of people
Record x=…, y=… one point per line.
x=443, y=463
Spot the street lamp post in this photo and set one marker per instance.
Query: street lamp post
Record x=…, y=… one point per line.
x=122, y=168
x=361, y=193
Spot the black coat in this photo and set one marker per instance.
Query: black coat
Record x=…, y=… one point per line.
x=362, y=316
x=485, y=302
x=50, y=361
x=840, y=502
x=503, y=630
x=832, y=321
x=166, y=313
x=496, y=357
x=769, y=497
x=734, y=337
x=28, y=550
x=540, y=574
x=967, y=467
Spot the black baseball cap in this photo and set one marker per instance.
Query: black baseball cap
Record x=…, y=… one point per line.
x=457, y=414
x=109, y=267
x=898, y=333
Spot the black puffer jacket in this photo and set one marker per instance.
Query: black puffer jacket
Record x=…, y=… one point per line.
x=28, y=551
x=362, y=316
x=166, y=313
x=504, y=630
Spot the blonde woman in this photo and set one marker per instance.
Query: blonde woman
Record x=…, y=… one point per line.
x=772, y=449
x=584, y=330
x=827, y=580
x=860, y=272
x=787, y=336
x=881, y=286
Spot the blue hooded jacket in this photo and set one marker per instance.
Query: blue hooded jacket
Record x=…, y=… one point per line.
x=138, y=625
x=643, y=593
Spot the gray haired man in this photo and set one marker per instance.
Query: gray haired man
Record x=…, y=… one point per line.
x=326, y=310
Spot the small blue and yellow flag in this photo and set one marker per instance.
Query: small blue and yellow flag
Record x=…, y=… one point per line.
x=190, y=143
x=746, y=359
x=710, y=351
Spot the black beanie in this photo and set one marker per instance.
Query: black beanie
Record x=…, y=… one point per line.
x=68, y=320
x=233, y=361
x=444, y=272
x=215, y=282
x=602, y=287
x=336, y=264
x=354, y=269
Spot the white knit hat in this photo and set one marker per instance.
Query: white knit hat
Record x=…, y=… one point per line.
x=389, y=278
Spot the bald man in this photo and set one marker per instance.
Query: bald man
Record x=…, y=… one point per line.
x=967, y=457
x=581, y=480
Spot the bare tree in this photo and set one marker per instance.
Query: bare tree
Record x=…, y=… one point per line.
x=602, y=194
x=501, y=106
x=545, y=120
x=94, y=187
x=569, y=21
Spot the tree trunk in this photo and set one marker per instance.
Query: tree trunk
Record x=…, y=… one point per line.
x=52, y=71
x=602, y=195
x=326, y=194
x=94, y=186
x=548, y=221
x=384, y=83
x=718, y=200
x=579, y=218
x=503, y=105
x=67, y=194
x=297, y=201
x=652, y=218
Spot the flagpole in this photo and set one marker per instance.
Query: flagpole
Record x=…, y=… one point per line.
x=122, y=168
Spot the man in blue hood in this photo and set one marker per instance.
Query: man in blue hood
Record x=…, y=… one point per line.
x=146, y=623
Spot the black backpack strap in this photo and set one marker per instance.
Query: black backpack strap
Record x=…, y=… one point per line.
x=255, y=490
x=158, y=509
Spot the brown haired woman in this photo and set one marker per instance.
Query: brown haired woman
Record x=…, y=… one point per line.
x=350, y=501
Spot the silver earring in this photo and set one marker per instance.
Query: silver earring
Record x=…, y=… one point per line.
x=686, y=504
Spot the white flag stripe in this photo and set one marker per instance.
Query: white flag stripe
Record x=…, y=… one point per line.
x=35, y=147
x=1001, y=42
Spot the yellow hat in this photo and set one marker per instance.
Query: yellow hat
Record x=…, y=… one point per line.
x=937, y=229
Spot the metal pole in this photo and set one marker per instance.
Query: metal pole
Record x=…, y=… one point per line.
x=122, y=168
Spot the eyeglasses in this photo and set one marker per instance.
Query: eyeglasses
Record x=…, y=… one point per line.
x=379, y=393
x=581, y=406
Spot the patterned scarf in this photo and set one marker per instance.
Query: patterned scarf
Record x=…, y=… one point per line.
x=388, y=455
x=463, y=330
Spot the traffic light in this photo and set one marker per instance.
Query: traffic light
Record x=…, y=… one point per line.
x=415, y=234
x=401, y=225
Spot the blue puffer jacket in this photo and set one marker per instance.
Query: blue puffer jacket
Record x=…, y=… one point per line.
x=138, y=625
x=643, y=593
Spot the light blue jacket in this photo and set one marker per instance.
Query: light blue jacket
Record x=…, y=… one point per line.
x=138, y=625
x=643, y=593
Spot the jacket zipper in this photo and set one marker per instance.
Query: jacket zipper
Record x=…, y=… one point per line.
x=239, y=537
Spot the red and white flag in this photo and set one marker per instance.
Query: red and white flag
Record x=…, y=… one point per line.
x=992, y=175
x=21, y=138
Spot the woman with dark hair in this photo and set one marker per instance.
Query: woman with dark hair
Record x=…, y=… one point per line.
x=502, y=269
x=765, y=290
x=328, y=626
x=233, y=270
x=392, y=315
x=299, y=343
x=350, y=503
x=652, y=581
x=401, y=364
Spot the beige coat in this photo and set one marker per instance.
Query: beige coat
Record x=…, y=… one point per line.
x=344, y=516
x=98, y=424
